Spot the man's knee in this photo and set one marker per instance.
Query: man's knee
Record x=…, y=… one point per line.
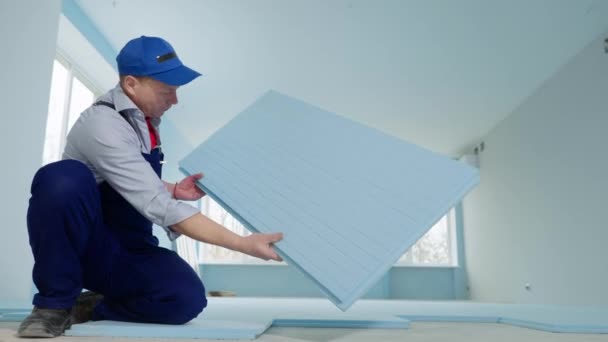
x=189, y=303
x=61, y=180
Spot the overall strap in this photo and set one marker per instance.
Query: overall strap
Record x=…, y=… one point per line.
x=122, y=113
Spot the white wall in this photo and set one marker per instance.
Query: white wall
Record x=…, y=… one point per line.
x=28, y=34
x=539, y=214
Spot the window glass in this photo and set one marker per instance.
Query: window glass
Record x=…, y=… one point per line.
x=55, y=119
x=80, y=99
x=69, y=96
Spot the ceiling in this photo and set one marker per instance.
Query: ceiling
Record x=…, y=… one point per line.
x=73, y=46
x=438, y=73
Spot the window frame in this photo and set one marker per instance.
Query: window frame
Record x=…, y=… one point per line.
x=73, y=71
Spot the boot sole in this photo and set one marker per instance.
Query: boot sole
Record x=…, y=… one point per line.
x=37, y=330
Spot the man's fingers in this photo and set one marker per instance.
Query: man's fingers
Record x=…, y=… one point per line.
x=272, y=254
x=272, y=238
x=275, y=237
x=197, y=176
x=261, y=245
x=277, y=257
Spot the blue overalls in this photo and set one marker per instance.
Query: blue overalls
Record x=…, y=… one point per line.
x=85, y=235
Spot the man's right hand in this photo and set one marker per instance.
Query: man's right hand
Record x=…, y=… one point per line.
x=260, y=246
x=201, y=228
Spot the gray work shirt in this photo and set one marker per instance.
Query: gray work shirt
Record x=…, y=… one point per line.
x=112, y=148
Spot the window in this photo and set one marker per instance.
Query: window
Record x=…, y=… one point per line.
x=212, y=254
x=70, y=94
x=436, y=248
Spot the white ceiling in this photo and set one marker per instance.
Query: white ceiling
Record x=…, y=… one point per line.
x=439, y=73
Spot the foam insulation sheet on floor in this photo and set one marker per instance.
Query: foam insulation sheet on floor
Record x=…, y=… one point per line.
x=243, y=318
x=246, y=318
x=198, y=328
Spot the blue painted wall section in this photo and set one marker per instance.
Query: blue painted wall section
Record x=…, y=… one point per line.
x=431, y=283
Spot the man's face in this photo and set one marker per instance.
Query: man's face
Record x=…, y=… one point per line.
x=152, y=97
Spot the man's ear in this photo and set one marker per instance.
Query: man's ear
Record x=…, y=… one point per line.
x=130, y=84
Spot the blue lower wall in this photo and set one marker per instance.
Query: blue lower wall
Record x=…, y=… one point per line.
x=428, y=283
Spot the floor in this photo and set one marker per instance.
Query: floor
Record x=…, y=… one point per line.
x=427, y=330
x=419, y=332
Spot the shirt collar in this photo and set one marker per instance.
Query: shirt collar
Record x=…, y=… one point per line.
x=123, y=102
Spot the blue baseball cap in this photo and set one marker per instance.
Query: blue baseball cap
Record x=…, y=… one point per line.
x=154, y=57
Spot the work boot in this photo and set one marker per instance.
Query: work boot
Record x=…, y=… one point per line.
x=45, y=323
x=83, y=309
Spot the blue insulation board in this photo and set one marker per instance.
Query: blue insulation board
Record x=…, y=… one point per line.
x=245, y=318
x=230, y=329
x=349, y=199
x=198, y=328
x=337, y=321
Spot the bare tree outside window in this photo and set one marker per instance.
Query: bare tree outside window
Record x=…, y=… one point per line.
x=436, y=247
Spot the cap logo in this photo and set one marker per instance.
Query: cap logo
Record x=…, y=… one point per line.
x=166, y=57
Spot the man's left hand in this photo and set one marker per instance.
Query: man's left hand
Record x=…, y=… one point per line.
x=187, y=190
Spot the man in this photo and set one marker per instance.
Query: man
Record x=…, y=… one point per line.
x=90, y=215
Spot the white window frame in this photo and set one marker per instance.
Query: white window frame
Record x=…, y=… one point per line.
x=72, y=72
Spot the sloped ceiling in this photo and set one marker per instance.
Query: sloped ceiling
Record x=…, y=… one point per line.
x=439, y=73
